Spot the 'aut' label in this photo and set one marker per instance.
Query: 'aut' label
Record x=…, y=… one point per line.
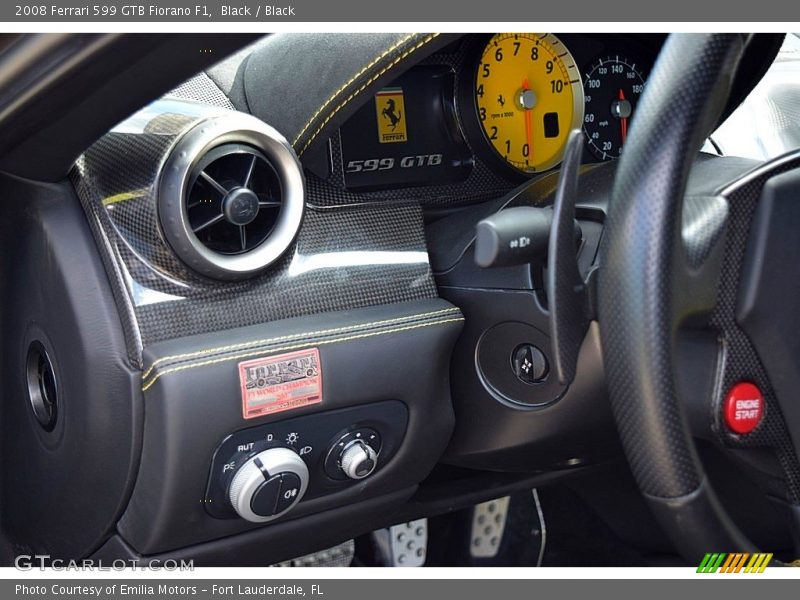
x=279, y=383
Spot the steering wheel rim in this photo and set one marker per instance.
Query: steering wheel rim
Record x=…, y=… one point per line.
x=642, y=256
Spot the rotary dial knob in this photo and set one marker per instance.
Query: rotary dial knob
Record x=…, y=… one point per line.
x=358, y=460
x=268, y=485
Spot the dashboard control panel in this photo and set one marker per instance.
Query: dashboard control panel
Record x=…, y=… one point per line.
x=259, y=474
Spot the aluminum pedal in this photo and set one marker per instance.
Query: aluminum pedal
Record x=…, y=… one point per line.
x=488, y=526
x=338, y=556
x=404, y=545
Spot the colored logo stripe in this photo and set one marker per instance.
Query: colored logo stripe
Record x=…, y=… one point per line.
x=711, y=563
x=758, y=563
x=734, y=563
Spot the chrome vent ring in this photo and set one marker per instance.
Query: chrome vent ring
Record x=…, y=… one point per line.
x=231, y=196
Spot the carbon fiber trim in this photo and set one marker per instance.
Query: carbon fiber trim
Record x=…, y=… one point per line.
x=703, y=224
x=201, y=88
x=741, y=361
x=343, y=258
x=482, y=184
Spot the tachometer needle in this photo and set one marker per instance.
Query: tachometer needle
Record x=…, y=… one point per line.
x=623, y=121
x=528, y=125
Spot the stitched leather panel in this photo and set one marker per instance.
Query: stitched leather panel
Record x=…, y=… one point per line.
x=289, y=342
x=354, y=67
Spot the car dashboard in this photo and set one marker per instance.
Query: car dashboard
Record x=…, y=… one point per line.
x=284, y=254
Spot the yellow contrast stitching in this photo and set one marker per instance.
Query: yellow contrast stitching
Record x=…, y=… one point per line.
x=363, y=87
x=123, y=197
x=293, y=336
x=375, y=61
x=156, y=377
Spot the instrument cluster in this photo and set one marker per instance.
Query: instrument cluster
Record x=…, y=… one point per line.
x=530, y=89
x=504, y=100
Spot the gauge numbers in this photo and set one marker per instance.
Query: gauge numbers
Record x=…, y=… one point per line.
x=529, y=96
x=612, y=88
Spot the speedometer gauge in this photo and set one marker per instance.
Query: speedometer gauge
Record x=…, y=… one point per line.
x=529, y=96
x=612, y=89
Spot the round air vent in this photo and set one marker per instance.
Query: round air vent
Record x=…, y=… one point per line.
x=234, y=199
x=231, y=196
x=42, y=388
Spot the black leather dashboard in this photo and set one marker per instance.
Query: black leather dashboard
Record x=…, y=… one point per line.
x=378, y=281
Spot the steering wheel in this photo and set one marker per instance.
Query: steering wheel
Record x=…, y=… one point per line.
x=655, y=276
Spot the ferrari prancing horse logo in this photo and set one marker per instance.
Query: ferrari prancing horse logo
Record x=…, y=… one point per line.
x=390, y=109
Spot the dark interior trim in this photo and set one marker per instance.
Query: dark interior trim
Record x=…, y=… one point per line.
x=60, y=92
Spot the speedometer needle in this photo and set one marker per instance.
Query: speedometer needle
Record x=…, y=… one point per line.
x=528, y=126
x=623, y=121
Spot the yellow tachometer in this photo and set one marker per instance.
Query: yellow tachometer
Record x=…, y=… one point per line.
x=529, y=96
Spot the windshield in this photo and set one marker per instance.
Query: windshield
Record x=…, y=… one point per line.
x=767, y=124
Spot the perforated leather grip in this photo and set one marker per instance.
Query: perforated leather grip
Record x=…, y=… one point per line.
x=684, y=97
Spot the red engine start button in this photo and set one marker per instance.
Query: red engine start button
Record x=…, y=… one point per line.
x=744, y=407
